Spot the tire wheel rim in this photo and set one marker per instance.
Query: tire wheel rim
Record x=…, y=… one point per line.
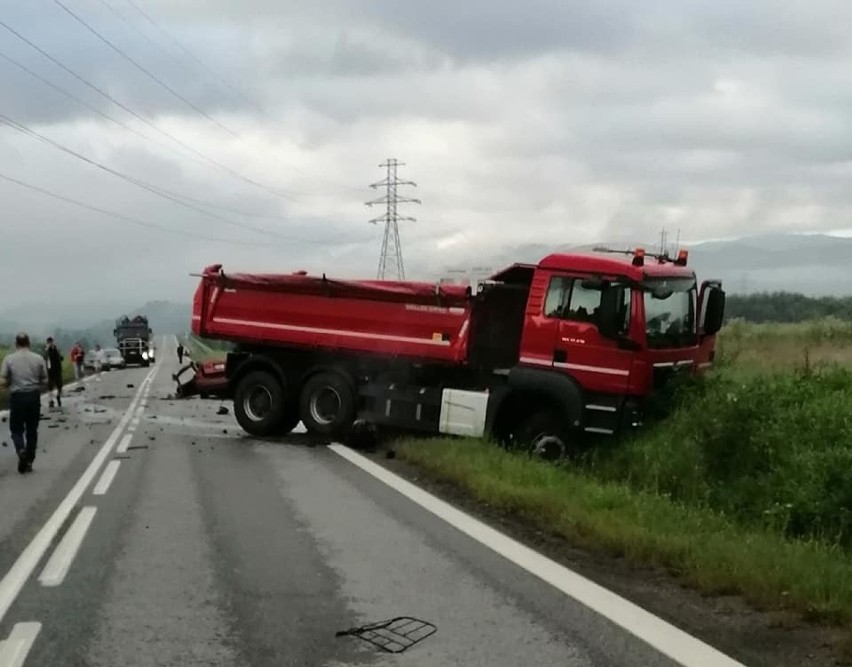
x=257, y=403
x=548, y=447
x=325, y=405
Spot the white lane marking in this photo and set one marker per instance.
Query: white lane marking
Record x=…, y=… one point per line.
x=14, y=650
x=106, y=479
x=681, y=647
x=134, y=423
x=57, y=567
x=125, y=441
x=14, y=580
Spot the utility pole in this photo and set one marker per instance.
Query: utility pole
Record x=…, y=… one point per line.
x=390, y=260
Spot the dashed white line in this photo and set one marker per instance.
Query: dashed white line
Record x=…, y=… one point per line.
x=678, y=645
x=14, y=650
x=16, y=577
x=57, y=567
x=135, y=422
x=106, y=479
x=125, y=441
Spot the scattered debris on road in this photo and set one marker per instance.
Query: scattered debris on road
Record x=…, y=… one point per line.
x=79, y=389
x=130, y=386
x=222, y=410
x=394, y=635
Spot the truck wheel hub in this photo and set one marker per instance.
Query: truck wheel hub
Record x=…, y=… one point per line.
x=258, y=403
x=548, y=447
x=325, y=405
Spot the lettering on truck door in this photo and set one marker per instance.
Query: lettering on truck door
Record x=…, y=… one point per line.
x=577, y=346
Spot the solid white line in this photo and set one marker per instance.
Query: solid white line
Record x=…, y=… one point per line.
x=125, y=441
x=14, y=650
x=16, y=577
x=106, y=479
x=664, y=637
x=57, y=567
x=135, y=423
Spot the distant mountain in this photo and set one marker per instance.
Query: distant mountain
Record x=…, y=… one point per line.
x=165, y=317
x=810, y=264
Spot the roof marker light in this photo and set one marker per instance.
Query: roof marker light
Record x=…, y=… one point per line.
x=639, y=257
x=682, y=256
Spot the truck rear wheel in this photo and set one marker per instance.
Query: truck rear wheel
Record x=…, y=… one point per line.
x=327, y=404
x=259, y=403
x=290, y=418
x=544, y=436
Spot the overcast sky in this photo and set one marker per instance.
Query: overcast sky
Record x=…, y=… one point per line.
x=545, y=121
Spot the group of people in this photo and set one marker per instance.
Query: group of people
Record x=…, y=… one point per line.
x=25, y=375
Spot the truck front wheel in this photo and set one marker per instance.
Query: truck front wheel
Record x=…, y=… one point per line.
x=327, y=404
x=259, y=403
x=544, y=436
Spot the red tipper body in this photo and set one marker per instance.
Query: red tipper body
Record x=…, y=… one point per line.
x=412, y=320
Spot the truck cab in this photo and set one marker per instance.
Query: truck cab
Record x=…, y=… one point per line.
x=599, y=333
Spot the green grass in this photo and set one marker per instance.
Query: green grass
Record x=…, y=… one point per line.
x=706, y=548
x=745, y=486
x=205, y=350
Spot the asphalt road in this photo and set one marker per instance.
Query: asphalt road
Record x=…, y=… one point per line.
x=153, y=532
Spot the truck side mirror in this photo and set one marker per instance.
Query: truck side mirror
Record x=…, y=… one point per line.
x=609, y=315
x=714, y=311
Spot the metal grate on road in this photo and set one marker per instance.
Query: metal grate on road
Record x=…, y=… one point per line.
x=395, y=635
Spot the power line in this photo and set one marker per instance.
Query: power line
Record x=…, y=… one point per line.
x=81, y=101
x=156, y=190
x=97, y=111
x=127, y=218
x=145, y=71
x=142, y=119
x=223, y=81
x=197, y=60
x=391, y=256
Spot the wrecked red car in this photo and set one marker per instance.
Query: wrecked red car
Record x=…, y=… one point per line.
x=208, y=380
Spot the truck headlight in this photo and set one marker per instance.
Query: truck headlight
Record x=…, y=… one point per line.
x=145, y=355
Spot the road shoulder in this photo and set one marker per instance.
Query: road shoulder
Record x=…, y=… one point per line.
x=754, y=637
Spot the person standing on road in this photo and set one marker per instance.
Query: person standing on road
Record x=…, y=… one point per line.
x=54, y=371
x=99, y=361
x=77, y=357
x=180, y=353
x=25, y=375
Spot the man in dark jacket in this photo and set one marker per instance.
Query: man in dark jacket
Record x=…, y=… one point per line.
x=54, y=371
x=25, y=374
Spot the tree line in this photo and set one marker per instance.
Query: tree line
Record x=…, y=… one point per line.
x=786, y=307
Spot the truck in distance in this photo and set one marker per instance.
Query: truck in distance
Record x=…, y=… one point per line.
x=537, y=356
x=133, y=338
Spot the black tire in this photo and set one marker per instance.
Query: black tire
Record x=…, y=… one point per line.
x=290, y=418
x=259, y=403
x=327, y=404
x=544, y=436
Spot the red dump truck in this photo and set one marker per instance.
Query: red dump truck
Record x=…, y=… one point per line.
x=537, y=355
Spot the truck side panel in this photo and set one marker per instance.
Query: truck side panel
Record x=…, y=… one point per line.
x=285, y=319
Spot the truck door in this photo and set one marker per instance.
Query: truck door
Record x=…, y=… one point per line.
x=600, y=364
x=707, y=334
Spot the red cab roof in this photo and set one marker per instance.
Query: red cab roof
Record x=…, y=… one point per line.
x=613, y=264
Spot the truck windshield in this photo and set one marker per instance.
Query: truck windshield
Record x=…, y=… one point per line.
x=670, y=312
